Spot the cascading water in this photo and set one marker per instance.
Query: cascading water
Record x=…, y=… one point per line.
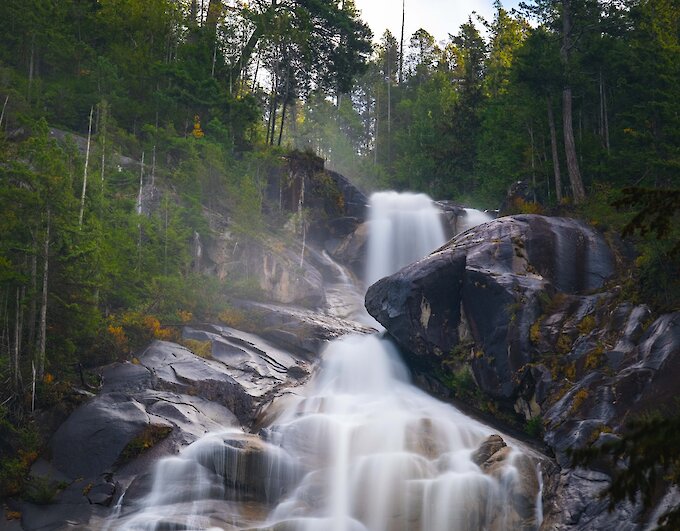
x=357, y=449
x=403, y=228
x=378, y=454
x=473, y=217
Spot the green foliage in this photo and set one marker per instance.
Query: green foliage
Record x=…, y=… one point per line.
x=202, y=349
x=534, y=427
x=148, y=438
x=41, y=490
x=19, y=444
x=646, y=452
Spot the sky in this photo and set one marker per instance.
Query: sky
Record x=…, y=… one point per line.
x=438, y=17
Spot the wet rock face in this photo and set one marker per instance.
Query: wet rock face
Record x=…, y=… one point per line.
x=352, y=249
x=549, y=343
x=510, y=265
x=418, y=304
x=166, y=401
x=517, y=473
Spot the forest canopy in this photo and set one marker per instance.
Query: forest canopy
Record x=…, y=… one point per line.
x=107, y=105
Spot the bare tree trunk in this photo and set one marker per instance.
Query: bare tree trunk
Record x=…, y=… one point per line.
x=87, y=163
x=555, y=155
x=575, y=179
x=214, y=14
x=31, y=67
x=570, y=149
x=16, y=374
x=285, y=105
x=153, y=167
x=139, y=212
x=33, y=311
x=283, y=121
x=141, y=185
x=257, y=70
x=389, y=116
x=376, y=136
x=604, y=119
x=301, y=215
x=401, y=42
x=33, y=387
x=533, y=163
x=193, y=11
x=2, y=114
x=42, y=341
x=103, y=163
x=214, y=61
x=165, y=243
x=4, y=332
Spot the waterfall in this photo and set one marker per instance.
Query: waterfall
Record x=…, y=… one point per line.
x=358, y=448
x=403, y=228
x=473, y=217
x=378, y=454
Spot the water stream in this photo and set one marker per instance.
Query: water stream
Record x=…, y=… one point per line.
x=358, y=448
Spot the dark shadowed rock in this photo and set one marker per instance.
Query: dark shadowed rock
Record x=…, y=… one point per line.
x=352, y=249
x=420, y=305
x=490, y=446
x=511, y=265
x=94, y=436
x=549, y=342
x=301, y=331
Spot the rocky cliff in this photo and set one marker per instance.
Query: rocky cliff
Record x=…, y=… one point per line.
x=522, y=317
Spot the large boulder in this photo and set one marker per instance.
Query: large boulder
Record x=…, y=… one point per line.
x=420, y=305
x=504, y=270
x=166, y=400
x=551, y=341
x=352, y=249
x=95, y=435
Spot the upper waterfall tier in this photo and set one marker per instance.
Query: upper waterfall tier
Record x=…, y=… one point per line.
x=405, y=227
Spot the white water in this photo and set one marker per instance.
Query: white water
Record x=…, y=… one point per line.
x=359, y=448
x=404, y=228
x=473, y=217
x=378, y=454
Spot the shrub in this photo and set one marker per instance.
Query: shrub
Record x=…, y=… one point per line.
x=534, y=427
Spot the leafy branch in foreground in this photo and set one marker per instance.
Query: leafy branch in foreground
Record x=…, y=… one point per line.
x=658, y=208
x=646, y=454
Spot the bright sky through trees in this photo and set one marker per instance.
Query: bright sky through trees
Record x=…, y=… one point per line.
x=438, y=17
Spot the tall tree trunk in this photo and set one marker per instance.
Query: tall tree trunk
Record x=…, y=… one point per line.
x=377, y=127
x=139, y=213
x=555, y=155
x=285, y=104
x=2, y=114
x=33, y=308
x=42, y=338
x=283, y=120
x=4, y=331
x=214, y=14
x=31, y=67
x=16, y=374
x=533, y=162
x=301, y=215
x=103, y=162
x=141, y=185
x=575, y=179
x=87, y=163
x=193, y=12
x=570, y=149
x=274, y=110
x=153, y=168
x=389, y=111
x=214, y=62
x=401, y=42
x=604, y=119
